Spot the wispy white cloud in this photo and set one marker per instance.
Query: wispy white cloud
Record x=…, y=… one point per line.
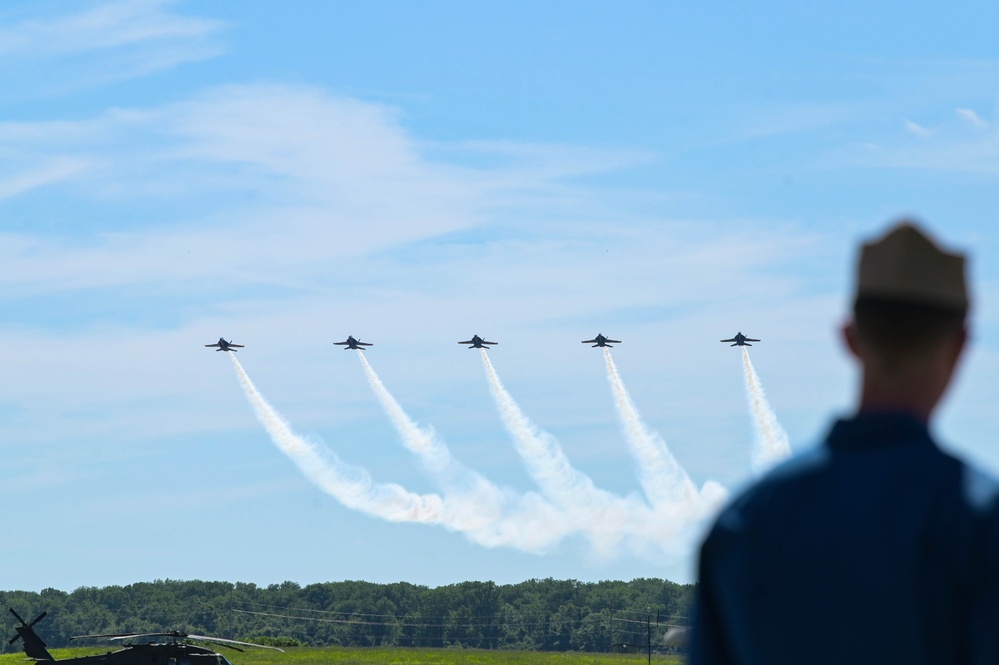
x=915, y=128
x=104, y=26
x=55, y=170
x=972, y=118
x=106, y=42
x=269, y=166
x=947, y=147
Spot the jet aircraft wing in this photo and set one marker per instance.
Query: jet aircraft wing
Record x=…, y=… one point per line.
x=223, y=345
x=352, y=343
x=600, y=340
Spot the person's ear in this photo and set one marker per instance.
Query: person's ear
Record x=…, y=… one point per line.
x=848, y=332
x=960, y=343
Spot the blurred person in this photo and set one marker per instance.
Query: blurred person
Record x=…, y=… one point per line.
x=876, y=547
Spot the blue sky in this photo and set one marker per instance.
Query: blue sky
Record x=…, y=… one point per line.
x=414, y=173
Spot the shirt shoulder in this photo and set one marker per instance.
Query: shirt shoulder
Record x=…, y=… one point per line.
x=980, y=490
x=760, y=496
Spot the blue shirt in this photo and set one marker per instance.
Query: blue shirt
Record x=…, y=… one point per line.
x=877, y=547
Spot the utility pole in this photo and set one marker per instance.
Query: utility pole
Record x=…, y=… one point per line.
x=610, y=642
x=648, y=633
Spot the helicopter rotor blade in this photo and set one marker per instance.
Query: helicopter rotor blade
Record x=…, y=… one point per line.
x=125, y=636
x=222, y=640
x=177, y=635
x=219, y=642
x=25, y=624
x=109, y=636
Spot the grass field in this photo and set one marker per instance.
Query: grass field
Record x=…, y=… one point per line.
x=372, y=656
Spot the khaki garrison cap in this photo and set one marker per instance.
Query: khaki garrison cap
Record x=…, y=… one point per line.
x=906, y=265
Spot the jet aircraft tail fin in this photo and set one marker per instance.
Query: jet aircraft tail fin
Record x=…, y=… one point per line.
x=34, y=646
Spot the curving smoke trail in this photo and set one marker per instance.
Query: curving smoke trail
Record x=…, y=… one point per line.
x=421, y=441
x=771, y=444
x=530, y=524
x=351, y=486
x=664, y=481
x=479, y=496
x=606, y=519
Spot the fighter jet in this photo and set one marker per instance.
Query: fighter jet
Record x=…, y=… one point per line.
x=352, y=343
x=740, y=340
x=477, y=343
x=225, y=346
x=600, y=340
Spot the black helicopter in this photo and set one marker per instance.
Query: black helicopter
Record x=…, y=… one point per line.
x=174, y=651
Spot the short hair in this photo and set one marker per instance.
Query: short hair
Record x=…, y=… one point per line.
x=898, y=329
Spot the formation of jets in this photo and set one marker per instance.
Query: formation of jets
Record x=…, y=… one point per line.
x=740, y=340
x=600, y=340
x=223, y=345
x=477, y=343
x=351, y=343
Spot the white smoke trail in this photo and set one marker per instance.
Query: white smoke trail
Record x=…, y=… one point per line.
x=481, y=496
x=771, y=444
x=421, y=441
x=534, y=526
x=351, y=486
x=605, y=518
x=664, y=481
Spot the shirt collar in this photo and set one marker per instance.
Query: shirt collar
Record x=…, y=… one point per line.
x=878, y=428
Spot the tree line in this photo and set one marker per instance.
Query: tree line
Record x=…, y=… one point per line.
x=545, y=614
